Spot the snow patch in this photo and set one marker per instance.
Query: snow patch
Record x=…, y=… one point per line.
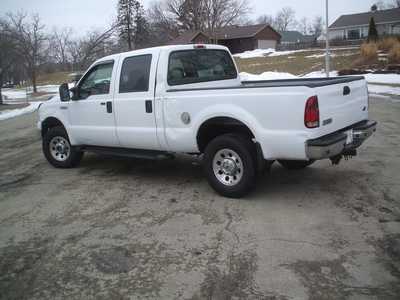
x=383, y=78
x=383, y=89
x=319, y=74
x=255, y=53
x=12, y=113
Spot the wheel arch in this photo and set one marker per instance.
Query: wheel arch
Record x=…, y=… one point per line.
x=51, y=122
x=218, y=125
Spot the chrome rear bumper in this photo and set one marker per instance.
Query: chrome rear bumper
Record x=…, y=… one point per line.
x=335, y=144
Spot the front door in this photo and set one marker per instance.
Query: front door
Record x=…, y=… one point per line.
x=134, y=100
x=91, y=113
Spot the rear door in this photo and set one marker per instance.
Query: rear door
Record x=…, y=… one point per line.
x=134, y=100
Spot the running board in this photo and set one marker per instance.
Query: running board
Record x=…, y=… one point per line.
x=131, y=153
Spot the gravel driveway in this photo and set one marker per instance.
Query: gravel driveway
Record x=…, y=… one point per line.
x=135, y=229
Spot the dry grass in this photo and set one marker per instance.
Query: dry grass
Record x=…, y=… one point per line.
x=387, y=44
x=394, y=54
x=53, y=78
x=368, y=55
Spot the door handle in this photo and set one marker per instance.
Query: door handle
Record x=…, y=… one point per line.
x=103, y=103
x=149, y=106
x=109, y=107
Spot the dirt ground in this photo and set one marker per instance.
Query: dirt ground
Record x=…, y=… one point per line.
x=136, y=229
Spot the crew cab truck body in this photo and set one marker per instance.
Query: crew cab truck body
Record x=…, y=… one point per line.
x=190, y=99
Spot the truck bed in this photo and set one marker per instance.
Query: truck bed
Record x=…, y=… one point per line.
x=307, y=82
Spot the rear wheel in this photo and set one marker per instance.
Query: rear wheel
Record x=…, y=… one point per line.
x=295, y=164
x=229, y=163
x=58, y=150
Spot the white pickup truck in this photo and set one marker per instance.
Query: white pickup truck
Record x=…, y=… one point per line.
x=155, y=102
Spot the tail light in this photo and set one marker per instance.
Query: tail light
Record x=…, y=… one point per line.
x=311, y=113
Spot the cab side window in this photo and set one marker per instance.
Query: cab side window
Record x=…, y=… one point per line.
x=97, y=81
x=135, y=74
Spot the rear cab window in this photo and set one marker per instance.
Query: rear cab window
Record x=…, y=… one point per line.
x=200, y=65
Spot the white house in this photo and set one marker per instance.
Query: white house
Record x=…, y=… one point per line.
x=355, y=26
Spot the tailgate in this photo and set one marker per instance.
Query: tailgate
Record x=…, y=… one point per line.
x=342, y=105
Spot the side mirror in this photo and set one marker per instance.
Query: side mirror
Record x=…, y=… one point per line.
x=64, y=92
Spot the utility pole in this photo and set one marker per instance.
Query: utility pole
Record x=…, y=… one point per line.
x=327, y=57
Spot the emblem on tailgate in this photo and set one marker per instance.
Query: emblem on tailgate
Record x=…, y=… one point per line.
x=327, y=121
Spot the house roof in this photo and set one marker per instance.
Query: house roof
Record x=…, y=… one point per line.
x=186, y=37
x=293, y=36
x=380, y=16
x=237, y=32
x=226, y=33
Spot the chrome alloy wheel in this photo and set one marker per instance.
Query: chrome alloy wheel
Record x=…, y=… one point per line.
x=228, y=167
x=60, y=149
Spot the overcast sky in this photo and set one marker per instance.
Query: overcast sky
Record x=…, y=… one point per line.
x=83, y=15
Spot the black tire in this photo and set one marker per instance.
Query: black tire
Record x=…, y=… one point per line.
x=246, y=169
x=295, y=164
x=74, y=156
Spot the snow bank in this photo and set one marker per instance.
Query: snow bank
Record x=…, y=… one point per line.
x=273, y=53
x=13, y=94
x=12, y=113
x=255, y=53
x=383, y=78
x=319, y=74
x=383, y=89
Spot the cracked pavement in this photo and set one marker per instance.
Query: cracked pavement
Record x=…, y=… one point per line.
x=135, y=229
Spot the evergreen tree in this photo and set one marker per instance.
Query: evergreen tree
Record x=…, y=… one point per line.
x=372, y=32
x=132, y=23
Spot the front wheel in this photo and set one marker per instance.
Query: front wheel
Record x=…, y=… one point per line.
x=295, y=164
x=229, y=164
x=58, y=150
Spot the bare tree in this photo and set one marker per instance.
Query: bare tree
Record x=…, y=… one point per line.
x=317, y=26
x=190, y=14
x=29, y=40
x=207, y=15
x=163, y=26
x=87, y=49
x=7, y=53
x=221, y=13
x=266, y=19
x=394, y=4
x=303, y=26
x=387, y=5
x=285, y=19
x=59, y=42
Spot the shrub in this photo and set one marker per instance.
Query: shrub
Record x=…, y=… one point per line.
x=369, y=51
x=394, y=54
x=388, y=43
x=369, y=55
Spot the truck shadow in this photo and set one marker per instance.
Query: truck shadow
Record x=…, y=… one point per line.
x=278, y=181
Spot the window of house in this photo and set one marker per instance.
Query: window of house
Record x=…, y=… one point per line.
x=200, y=65
x=353, y=34
x=135, y=74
